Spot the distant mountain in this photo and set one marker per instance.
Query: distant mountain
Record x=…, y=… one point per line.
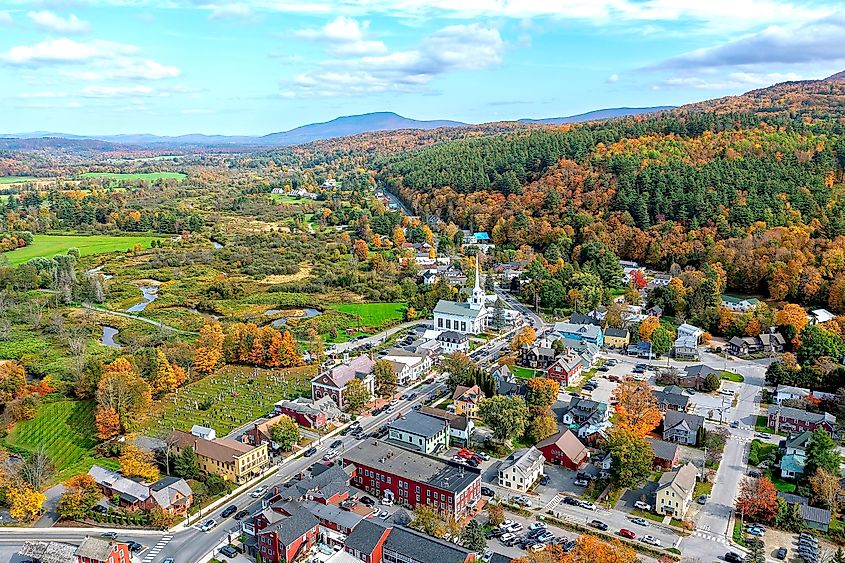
x=819, y=99
x=351, y=125
x=597, y=115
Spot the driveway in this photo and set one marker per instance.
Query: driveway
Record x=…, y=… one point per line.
x=644, y=493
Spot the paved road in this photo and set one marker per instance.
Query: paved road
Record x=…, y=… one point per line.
x=378, y=338
x=533, y=318
x=135, y=317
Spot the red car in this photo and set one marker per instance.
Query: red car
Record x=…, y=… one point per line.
x=627, y=534
x=465, y=453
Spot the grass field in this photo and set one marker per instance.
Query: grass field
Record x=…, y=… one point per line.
x=18, y=179
x=44, y=246
x=150, y=177
x=66, y=430
x=282, y=198
x=523, y=373
x=373, y=314
x=230, y=399
x=730, y=376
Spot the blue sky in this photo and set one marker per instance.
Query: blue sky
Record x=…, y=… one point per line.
x=254, y=67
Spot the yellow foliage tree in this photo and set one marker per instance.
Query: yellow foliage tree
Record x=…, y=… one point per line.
x=24, y=502
x=135, y=462
x=523, y=338
x=637, y=409
x=647, y=327
x=209, y=348
x=793, y=315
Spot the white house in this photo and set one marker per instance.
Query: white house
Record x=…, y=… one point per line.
x=465, y=318
x=408, y=366
x=687, y=330
x=821, y=316
x=521, y=469
x=787, y=392
x=419, y=432
x=739, y=304
x=203, y=432
x=451, y=341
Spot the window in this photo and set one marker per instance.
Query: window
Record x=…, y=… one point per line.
x=439, y=323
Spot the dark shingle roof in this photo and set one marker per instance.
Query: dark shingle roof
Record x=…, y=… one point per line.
x=295, y=526
x=699, y=370
x=364, y=537
x=616, y=332
x=815, y=515
x=419, y=424
x=661, y=449
x=423, y=548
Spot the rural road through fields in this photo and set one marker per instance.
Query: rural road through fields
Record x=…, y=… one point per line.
x=135, y=317
x=378, y=338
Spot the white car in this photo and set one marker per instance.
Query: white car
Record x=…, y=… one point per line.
x=505, y=537
x=651, y=540
x=258, y=492
x=587, y=505
x=581, y=482
x=537, y=526
x=640, y=522
x=642, y=505
x=209, y=524
x=387, y=501
x=505, y=523
x=515, y=527
x=330, y=454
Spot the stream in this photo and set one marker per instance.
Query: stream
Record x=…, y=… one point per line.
x=309, y=313
x=109, y=334
x=149, y=295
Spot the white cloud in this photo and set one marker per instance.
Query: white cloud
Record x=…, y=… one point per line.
x=46, y=94
x=231, y=12
x=6, y=19
x=345, y=37
x=730, y=81
x=453, y=48
x=613, y=78
x=58, y=51
x=125, y=68
x=50, y=21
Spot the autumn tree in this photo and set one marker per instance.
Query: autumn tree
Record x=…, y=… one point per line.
x=398, y=236
x=631, y=456
x=647, y=326
x=385, y=378
x=285, y=433
x=81, y=493
x=757, y=500
x=826, y=488
x=360, y=250
x=427, y=520
x=525, y=337
x=12, y=380
x=506, y=416
x=107, y=422
x=166, y=377
x=123, y=391
x=792, y=315
x=541, y=427
x=541, y=393
x=636, y=408
x=589, y=548
x=24, y=502
x=356, y=395
x=135, y=462
x=495, y=514
x=822, y=453
x=209, y=348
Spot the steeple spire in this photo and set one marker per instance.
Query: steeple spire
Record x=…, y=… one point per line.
x=476, y=300
x=477, y=273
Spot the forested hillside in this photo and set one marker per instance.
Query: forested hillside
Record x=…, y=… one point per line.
x=753, y=189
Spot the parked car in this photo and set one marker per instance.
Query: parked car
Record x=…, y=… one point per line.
x=168, y=560
x=384, y=515
x=483, y=456
x=755, y=473
x=536, y=547
x=568, y=546
x=99, y=508
x=599, y=525
x=587, y=505
x=258, y=492
x=387, y=501
x=505, y=523
x=764, y=435
x=754, y=531
x=546, y=537
x=471, y=462
x=310, y=451
x=505, y=537
x=735, y=424
x=581, y=482
x=690, y=391
x=640, y=522
x=229, y=510
x=229, y=551
x=109, y=535
x=626, y=533
x=208, y=524
x=135, y=546
x=642, y=505
x=733, y=557
x=781, y=553
x=537, y=526
x=571, y=501
x=488, y=492
x=702, y=499
x=651, y=540
x=241, y=515
x=367, y=501
x=545, y=480
x=515, y=527
x=336, y=444
x=604, y=368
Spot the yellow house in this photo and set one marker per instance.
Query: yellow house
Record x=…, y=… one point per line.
x=232, y=460
x=616, y=337
x=675, y=490
x=465, y=400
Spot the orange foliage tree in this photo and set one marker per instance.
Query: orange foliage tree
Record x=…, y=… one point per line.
x=107, y=422
x=12, y=381
x=637, y=409
x=647, y=327
x=209, y=348
x=793, y=315
x=757, y=500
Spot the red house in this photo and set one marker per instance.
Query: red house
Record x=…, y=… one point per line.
x=285, y=538
x=795, y=421
x=366, y=542
x=566, y=370
x=95, y=550
x=412, y=479
x=665, y=453
x=564, y=448
x=303, y=412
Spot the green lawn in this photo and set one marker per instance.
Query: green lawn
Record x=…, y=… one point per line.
x=282, y=198
x=66, y=430
x=44, y=246
x=702, y=489
x=761, y=424
x=760, y=451
x=372, y=314
x=780, y=484
x=524, y=373
x=735, y=377
x=18, y=179
x=150, y=177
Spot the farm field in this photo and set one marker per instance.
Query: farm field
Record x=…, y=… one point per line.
x=282, y=198
x=19, y=179
x=66, y=430
x=49, y=245
x=373, y=314
x=227, y=399
x=150, y=177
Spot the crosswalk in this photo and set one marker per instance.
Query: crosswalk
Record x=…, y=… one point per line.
x=552, y=503
x=710, y=536
x=156, y=549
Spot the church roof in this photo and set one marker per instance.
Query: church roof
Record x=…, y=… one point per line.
x=456, y=308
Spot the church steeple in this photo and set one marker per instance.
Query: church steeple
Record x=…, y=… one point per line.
x=476, y=300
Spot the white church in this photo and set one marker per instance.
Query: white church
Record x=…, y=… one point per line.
x=465, y=318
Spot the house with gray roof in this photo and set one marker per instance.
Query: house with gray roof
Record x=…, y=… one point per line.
x=170, y=493
x=366, y=541
x=682, y=428
x=522, y=469
x=794, y=421
x=669, y=400
x=419, y=432
x=410, y=546
x=580, y=332
x=675, y=490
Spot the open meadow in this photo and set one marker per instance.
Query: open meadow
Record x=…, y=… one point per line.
x=372, y=314
x=65, y=429
x=19, y=179
x=44, y=246
x=150, y=176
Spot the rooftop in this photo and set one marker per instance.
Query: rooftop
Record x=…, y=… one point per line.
x=419, y=424
x=342, y=374
x=425, y=549
x=48, y=551
x=523, y=460
x=222, y=449
x=799, y=414
x=662, y=449
x=457, y=308
x=385, y=457
x=94, y=548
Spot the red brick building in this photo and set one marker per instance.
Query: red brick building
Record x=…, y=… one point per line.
x=665, y=454
x=412, y=479
x=95, y=550
x=795, y=421
x=564, y=448
x=566, y=369
x=283, y=538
